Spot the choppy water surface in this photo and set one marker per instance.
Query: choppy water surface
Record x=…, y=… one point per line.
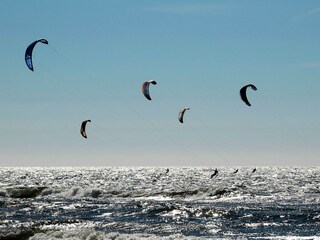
x=148, y=203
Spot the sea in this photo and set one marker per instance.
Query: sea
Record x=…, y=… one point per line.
x=122, y=203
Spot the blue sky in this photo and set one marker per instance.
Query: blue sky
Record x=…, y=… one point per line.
x=200, y=53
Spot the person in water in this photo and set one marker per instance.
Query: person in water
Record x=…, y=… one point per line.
x=215, y=173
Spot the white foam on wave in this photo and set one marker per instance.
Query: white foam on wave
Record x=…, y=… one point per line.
x=73, y=192
x=155, y=198
x=105, y=215
x=264, y=224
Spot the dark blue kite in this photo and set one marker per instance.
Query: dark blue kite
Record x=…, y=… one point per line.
x=28, y=55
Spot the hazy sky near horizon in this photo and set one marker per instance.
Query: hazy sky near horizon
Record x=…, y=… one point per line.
x=200, y=52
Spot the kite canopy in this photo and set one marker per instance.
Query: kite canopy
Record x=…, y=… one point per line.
x=29, y=50
x=83, y=128
x=145, y=88
x=243, y=93
x=181, y=114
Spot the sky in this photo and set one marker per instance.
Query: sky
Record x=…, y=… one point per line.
x=200, y=53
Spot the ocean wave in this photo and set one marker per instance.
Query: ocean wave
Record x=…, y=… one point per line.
x=97, y=235
x=89, y=234
x=123, y=203
x=25, y=192
x=3, y=193
x=80, y=192
x=182, y=211
x=19, y=234
x=74, y=192
x=194, y=183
